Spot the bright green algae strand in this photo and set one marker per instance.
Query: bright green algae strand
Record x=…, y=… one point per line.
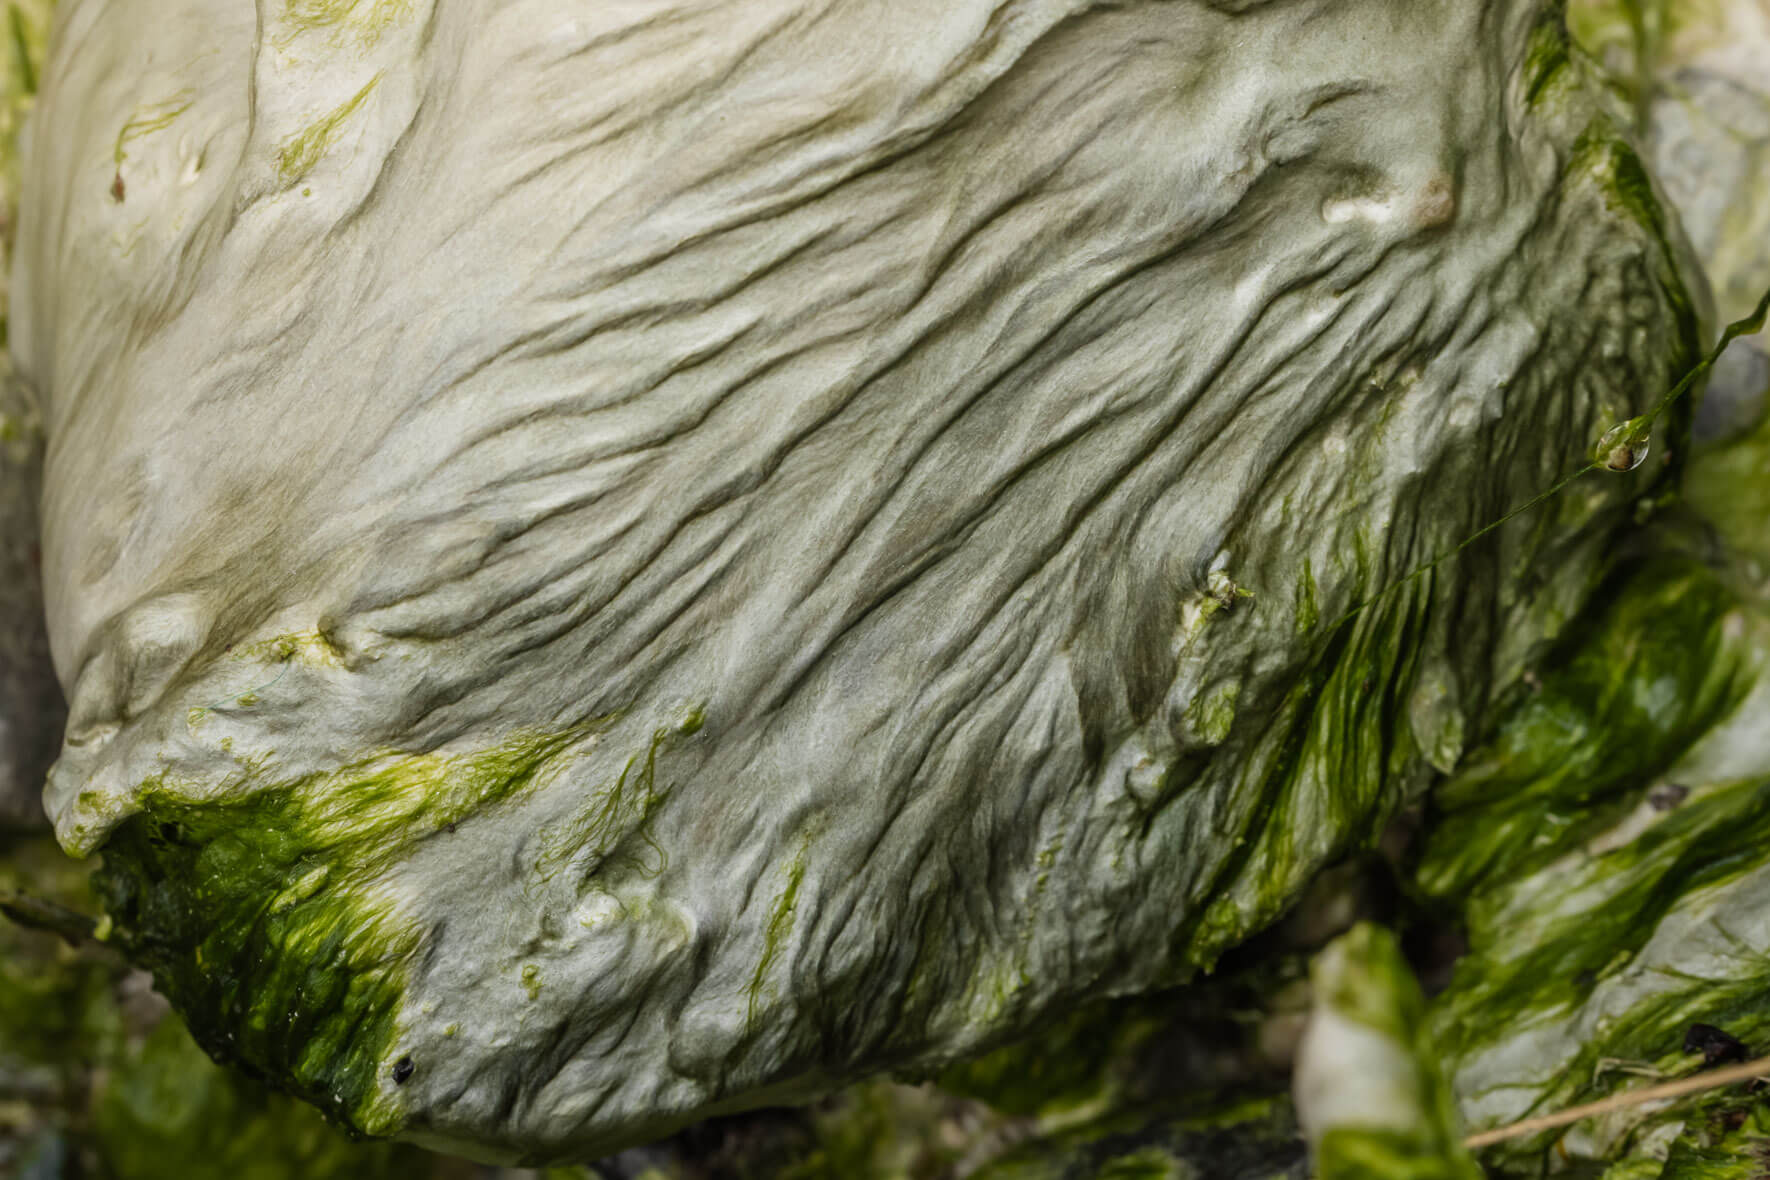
x=260, y=918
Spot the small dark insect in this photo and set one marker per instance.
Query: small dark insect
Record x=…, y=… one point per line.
x=117, y=188
x=1716, y=1046
x=449, y=828
x=1667, y=796
x=402, y=1069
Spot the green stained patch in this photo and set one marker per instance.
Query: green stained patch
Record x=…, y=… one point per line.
x=301, y=151
x=1547, y=58
x=1067, y=1065
x=780, y=928
x=1602, y=155
x=1308, y=611
x=146, y=121
x=1212, y=715
x=262, y=920
x=121, y=1085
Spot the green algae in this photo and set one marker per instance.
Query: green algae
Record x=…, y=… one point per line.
x=298, y=154
x=1070, y=1063
x=363, y=22
x=1566, y=850
x=615, y=829
x=1342, y=757
x=120, y=1087
x=148, y=120
x=1548, y=57
x=1621, y=698
x=775, y=935
x=1723, y=1135
x=261, y=919
x=1727, y=486
x=1376, y=1154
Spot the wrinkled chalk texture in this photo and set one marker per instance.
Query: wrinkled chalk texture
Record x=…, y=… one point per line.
x=613, y=563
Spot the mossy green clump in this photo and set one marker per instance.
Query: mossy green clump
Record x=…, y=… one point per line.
x=261, y=919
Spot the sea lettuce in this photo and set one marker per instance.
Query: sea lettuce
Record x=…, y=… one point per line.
x=617, y=564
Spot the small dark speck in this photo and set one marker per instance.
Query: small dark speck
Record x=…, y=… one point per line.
x=117, y=188
x=1667, y=796
x=402, y=1069
x=1717, y=1047
x=449, y=828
